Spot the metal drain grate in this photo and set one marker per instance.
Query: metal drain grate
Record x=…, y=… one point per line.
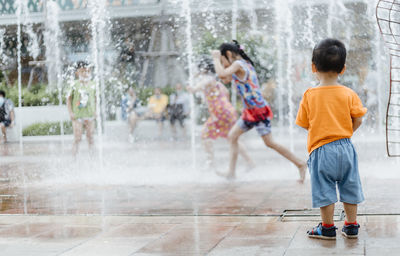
x=308, y=215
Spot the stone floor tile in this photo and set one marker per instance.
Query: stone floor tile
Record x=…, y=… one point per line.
x=196, y=239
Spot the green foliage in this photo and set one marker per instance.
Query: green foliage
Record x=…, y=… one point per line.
x=258, y=47
x=37, y=95
x=208, y=42
x=48, y=128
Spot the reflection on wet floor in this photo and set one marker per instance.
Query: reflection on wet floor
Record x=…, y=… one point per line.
x=203, y=235
x=146, y=200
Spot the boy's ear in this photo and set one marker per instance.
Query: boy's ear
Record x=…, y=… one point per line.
x=343, y=70
x=313, y=68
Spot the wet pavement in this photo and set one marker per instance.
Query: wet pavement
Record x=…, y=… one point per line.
x=150, y=198
x=188, y=235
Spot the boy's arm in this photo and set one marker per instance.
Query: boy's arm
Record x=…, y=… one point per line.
x=305, y=128
x=302, y=114
x=357, y=121
x=69, y=106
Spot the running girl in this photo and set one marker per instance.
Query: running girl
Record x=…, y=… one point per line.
x=232, y=62
x=222, y=113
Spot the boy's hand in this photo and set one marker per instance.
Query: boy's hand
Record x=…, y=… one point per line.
x=216, y=54
x=357, y=121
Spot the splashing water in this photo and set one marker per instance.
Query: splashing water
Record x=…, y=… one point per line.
x=187, y=14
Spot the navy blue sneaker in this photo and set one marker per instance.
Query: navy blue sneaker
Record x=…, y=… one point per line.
x=322, y=232
x=350, y=231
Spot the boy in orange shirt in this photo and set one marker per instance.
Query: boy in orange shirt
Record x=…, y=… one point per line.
x=331, y=113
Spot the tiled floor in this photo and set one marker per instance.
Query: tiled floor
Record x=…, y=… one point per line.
x=146, y=199
x=203, y=235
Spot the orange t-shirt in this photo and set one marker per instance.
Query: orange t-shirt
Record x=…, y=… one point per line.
x=327, y=112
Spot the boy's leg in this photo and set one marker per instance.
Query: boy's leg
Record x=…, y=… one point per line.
x=77, y=128
x=327, y=213
x=89, y=131
x=350, y=228
x=326, y=229
x=301, y=165
x=323, y=172
x=350, y=188
x=351, y=212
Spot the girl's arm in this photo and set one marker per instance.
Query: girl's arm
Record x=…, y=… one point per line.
x=219, y=69
x=225, y=90
x=226, y=80
x=199, y=86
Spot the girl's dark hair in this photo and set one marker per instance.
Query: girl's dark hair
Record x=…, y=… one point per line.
x=206, y=64
x=234, y=48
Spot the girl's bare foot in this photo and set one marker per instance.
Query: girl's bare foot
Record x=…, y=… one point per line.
x=210, y=164
x=302, y=171
x=228, y=175
x=250, y=166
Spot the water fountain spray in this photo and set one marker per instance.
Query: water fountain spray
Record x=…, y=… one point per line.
x=18, y=13
x=289, y=68
x=52, y=37
x=98, y=30
x=235, y=15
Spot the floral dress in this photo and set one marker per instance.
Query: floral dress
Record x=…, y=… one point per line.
x=222, y=113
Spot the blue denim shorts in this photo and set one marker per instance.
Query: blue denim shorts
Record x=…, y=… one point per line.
x=262, y=127
x=335, y=165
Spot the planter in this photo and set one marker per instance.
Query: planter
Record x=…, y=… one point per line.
x=26, y=116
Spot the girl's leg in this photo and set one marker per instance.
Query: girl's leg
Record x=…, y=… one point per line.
x=208, y=146
x=233, y=138
x=301, y=165
x=246, y=157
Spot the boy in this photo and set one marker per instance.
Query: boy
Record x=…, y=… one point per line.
x=331, y=113
x=81, y=104
x=7, y=115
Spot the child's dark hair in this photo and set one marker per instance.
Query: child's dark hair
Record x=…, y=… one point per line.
x=206, y=64
x=3, y=93
x=81, y=64
x=329, y=55
x=235, y=48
